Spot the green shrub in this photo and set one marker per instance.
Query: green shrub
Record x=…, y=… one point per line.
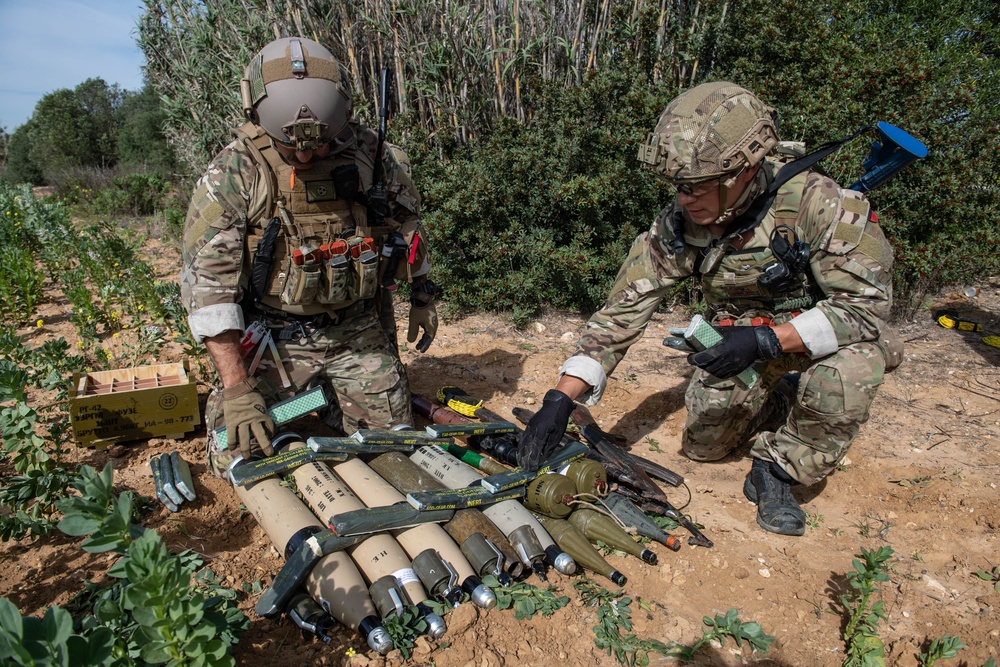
x=543, y=212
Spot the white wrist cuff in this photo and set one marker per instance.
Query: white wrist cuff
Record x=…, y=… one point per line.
x=816, y=332
x=591, y=372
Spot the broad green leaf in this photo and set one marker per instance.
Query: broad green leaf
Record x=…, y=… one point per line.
x=10, y=619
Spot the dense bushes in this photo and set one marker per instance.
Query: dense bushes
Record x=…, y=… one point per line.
x=541, y=213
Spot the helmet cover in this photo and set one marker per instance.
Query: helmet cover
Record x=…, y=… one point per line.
x=709, y=131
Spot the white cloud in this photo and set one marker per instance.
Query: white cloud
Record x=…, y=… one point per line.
x=61, y=43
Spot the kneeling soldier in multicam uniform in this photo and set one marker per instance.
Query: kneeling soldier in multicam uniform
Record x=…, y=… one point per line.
x=283, y=230
x=798, y=283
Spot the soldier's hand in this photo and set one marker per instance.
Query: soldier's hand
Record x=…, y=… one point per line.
x=423, y=315
x=246, y=416
x=542, y=434
x=739, y=349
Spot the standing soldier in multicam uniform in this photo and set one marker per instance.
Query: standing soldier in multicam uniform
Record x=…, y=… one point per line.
x=797, y=283
x=283, y=229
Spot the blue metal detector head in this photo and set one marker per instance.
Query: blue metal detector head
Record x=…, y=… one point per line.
x=895, y=149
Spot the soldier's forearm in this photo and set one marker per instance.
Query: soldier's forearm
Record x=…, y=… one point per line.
x=572, y=386
x=227, y=355
x=789, y=338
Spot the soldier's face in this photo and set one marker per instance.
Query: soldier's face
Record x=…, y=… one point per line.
x=301, y=159
x=702, y=200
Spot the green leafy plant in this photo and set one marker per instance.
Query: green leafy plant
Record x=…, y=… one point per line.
x=720, y=627
x=29, y=497
x=527, y=600
x=99, y=513
x=404, y=627
x=177, y=623
x=20, y=284
x=864, y=647
x=942, y=648
x=50, y=640
x=613, y=632
x=993, y=576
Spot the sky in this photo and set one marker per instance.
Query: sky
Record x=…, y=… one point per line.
x=53, y=44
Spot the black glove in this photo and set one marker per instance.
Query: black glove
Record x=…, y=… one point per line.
x=545, y=430
x=739, y=348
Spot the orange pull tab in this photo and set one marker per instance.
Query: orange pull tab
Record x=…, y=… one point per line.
x=291, y=180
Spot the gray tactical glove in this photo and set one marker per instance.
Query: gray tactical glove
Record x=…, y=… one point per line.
x=246, y=416
x=423, y=315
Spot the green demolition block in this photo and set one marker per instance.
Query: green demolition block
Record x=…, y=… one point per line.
x=701, y=335
x=283, y=412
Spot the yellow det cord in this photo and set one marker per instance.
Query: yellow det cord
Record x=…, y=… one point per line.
x=951, y=321
x=456, y=399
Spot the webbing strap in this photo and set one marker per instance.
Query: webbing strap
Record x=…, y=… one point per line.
x=760, y=206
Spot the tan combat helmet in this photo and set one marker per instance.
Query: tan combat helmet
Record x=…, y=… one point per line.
x=297, y=91
x=709, y=131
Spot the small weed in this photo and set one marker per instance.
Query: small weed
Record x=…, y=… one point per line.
x=613, y=632
x=527, y=600
x=817, y=609
x=404, y=627
x=943, y=648
x=654, y=445
x=814, y=520
x=915, y=555
x=864, y=528
x=253, y=588
x=992, y=576
x=528, y=347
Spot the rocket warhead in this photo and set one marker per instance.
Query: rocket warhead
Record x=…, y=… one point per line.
x=377, y=637
x=435, y=624
x=560, y=561
x=481, y=594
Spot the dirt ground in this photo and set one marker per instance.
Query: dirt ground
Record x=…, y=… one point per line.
x=921, y=478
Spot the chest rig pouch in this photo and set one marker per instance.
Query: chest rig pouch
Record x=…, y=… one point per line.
x=324, y=257
x=765, y=269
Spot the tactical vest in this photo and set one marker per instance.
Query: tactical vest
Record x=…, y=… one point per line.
x=326, y=254
x=730, y=276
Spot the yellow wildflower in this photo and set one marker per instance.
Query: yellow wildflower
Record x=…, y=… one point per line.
x=40, y=323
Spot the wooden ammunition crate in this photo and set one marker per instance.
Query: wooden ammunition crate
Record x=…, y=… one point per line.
x=133, y=404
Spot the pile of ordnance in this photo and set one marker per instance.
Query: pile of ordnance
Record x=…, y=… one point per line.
x=385, y=520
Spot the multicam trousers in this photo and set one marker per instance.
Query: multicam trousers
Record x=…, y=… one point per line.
x=354, y=359
x=834, y=396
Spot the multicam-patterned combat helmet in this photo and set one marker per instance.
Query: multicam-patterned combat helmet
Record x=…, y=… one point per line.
x=297, y=91
x=707, y=132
